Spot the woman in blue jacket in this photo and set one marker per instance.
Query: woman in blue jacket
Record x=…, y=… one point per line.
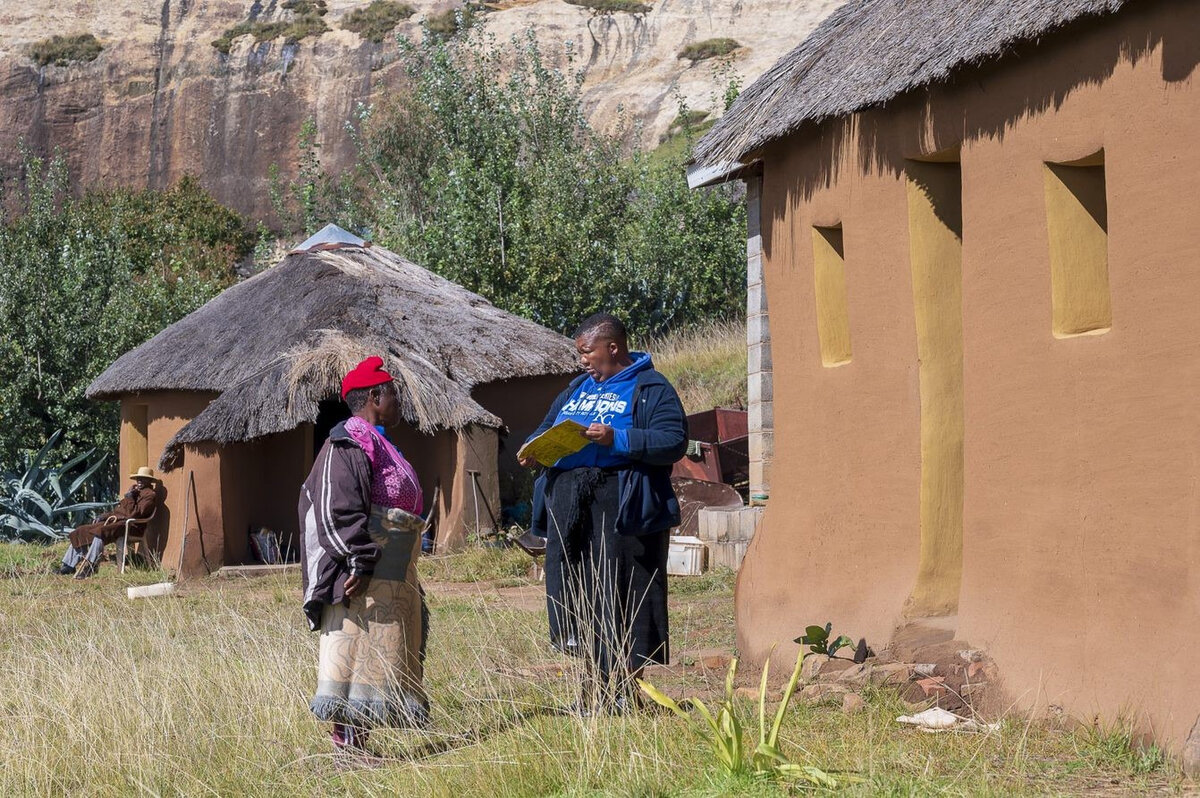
x=609, y=511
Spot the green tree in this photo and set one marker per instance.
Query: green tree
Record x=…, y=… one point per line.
x=85, y=279
x=315, y=197
x=487, y=171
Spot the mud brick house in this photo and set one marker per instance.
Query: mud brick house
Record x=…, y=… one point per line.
x=975, y=232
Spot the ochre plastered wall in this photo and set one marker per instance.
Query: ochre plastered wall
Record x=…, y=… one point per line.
x=166, y=413
x=522, y=403
x=839, y=539
x=442, y=462
x=249, y=485
x=432, y=457
x=470, y=497
x=1081, y=455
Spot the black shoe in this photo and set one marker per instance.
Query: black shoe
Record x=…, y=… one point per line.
x=65, y=570
x=531, y=544
x=85, y=569
x=619, y=706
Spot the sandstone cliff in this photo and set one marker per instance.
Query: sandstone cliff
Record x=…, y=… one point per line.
x=161, y=101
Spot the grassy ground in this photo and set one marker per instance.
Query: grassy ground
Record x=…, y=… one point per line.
x=205, y=692
x=706, y=364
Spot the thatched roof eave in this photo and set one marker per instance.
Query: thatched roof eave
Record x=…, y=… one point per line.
x=870, y=52
x=275, y=346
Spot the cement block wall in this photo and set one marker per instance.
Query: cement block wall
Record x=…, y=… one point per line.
x=758, y=345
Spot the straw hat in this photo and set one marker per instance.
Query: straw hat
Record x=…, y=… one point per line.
x=145, y=472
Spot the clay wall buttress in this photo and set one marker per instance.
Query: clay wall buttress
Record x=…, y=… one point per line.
x=935, y=257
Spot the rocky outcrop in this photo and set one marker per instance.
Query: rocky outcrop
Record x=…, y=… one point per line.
x=160, y=101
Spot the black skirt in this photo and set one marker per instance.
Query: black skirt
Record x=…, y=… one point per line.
x=606, y=593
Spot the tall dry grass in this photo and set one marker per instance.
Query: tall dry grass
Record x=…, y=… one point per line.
x=706, y=364
x=206, y=692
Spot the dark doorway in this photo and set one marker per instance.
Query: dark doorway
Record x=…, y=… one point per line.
x=330, y=413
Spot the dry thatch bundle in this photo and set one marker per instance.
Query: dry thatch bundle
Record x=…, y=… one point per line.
x=276, y=345
x=870, y=51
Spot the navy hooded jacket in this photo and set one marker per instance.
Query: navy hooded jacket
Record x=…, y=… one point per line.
x=656, y=440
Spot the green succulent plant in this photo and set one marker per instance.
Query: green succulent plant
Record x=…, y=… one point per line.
x=42, y=502
x=818, y=642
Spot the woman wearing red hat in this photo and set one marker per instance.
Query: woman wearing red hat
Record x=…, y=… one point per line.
x=359, y=514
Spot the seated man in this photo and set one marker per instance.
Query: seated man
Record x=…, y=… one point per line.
x=89, y=540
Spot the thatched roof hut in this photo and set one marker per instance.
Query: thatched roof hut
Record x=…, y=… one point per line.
x=241, y=393
x=868, y=52
x=277, y=344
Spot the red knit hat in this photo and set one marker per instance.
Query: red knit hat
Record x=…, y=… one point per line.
x=366, y=374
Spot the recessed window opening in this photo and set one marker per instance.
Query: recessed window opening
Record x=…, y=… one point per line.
x=1077, y=223
x=833, y=318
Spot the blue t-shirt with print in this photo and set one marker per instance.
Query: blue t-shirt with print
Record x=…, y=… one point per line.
x=609, y=402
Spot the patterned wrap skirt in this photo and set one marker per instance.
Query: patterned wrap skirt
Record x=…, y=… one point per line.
x=372, y=656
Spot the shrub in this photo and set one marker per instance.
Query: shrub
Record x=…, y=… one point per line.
x=453, y=21
x=606, y=8
x=64, y=50
x=85, y=279
x=300, y=27
x=817, y=638
x=688, y=118
x=303, y=8
x=486, y=171
x=304, y=27
x=709, y=48
x=377, y=20
x=315, y=197
x=225, y=43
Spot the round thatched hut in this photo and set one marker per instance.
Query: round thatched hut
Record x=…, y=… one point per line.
x=235, y=399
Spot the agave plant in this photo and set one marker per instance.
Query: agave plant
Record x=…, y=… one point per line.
x=724, y=730
x=43, y=503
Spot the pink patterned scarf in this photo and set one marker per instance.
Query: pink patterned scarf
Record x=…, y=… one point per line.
x=393, y=480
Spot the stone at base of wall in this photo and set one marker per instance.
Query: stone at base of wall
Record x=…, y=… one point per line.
x=1191, y=752
x=727, y=532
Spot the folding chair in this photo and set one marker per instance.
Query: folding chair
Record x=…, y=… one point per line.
x=137, y=535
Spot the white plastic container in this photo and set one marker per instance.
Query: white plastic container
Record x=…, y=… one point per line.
x=149, y=591
x=686, y=556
